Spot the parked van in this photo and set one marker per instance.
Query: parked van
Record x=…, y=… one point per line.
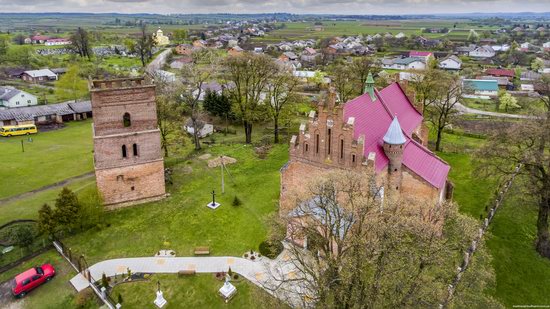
x=25, y=129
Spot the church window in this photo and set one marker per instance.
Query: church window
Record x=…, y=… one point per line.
x=341, y=149
x=306, y=147
x=135, y=149
x=316, y=143
x=126, y=120
x=353, y=158
x=329, y=140
x=132, y=188
x=124, y=151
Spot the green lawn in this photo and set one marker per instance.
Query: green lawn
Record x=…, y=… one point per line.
x=27, y=208
x=200, y=291
x=50, y=157
x=522, y=275
x=184, y=221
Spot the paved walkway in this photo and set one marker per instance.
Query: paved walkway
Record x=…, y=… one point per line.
x=265, y=273
x=158, y=62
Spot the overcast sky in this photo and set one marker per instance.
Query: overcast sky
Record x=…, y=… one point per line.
x=259, y=6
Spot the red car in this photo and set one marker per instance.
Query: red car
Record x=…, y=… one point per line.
x=31, y=278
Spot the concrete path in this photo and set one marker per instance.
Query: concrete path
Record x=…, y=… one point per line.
x=265, y=273
x=58, y=184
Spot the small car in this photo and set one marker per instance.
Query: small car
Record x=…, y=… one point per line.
x=31, y=279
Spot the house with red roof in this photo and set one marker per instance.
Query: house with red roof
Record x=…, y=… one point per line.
x=381, y=133
x=421, y=54
x=508, y=73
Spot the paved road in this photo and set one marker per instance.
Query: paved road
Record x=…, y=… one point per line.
x=158, y=62
x=467, y=110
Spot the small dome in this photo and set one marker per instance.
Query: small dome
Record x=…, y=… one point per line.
x=394, y=135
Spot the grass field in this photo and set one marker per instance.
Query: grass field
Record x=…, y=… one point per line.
x=50, y=157
x=200, y=291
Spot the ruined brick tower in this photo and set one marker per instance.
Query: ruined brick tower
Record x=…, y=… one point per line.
x=128, y=162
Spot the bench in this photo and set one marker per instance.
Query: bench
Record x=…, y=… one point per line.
x=202, y=251
x=186, y=272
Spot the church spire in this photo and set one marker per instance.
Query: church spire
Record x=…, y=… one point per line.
x=369, y=87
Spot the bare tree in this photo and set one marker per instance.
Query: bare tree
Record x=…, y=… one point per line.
x=167, y=115
x=144, y=45
x=195, y=77
x=441, y=111
x=347, y=248
x=360, y=69
x=249, y=75
x=281, y=90
x=425, y=86
x=343, y=81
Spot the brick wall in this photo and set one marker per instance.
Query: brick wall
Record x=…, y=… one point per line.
x=131, y=183
x=108, y=150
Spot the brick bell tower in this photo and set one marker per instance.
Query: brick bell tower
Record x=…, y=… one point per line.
x=128, y=161
x=394, y=142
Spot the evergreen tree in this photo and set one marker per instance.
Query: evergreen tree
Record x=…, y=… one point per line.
x=67, y=212
x=46, y=220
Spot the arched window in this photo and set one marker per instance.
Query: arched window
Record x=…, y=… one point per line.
x=341, y=149
x=306, y=148
x=126, y=120
x=134, y=148
x=124, y=151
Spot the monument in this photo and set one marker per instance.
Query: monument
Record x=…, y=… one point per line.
x=213, y=204
x=228, y=290
x=160, y=301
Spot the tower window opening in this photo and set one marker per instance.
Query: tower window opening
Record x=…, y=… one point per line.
x=124, y=155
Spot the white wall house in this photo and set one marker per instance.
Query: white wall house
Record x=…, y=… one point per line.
x=451, y=63
x=404, y=64
x=483, y=52
x=11, y=97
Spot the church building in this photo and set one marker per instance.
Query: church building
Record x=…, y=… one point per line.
x=379, y=132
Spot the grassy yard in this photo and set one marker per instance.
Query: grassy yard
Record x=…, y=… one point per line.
x=57, y=293
x=200, y=291
x=50, y=157
x=184, y=222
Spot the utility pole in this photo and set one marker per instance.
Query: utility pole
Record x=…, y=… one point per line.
x=22, y=146
x=223, y=183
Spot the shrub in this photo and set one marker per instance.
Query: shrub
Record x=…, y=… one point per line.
x=271, y=248
x=230, y=272
x=237, y=201
x=235, y=276
x=84, y=298
x=120, y=300
x=104, y=281
x=252, y=258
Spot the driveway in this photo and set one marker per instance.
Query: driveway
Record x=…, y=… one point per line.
x=6, y=299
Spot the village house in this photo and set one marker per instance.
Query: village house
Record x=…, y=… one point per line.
x=421, y=54
x=380, y=133
x=46, y=114
x=509, y=74
x=57, y=42
x=235, y=51
x=483, y=52
x=502, y=81
x=184, y=49
x=546, y=46
x=465, y=50
x=408, y=63
x=11, y=97
x=288, y=56
x=39, y=39
x=181, y=62
x=480, y=88
x=200, y=43
x=39, y=76
x=451, y=62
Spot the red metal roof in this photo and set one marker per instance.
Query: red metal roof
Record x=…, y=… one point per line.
x=500, y=72
x=372, y=120
x=414, y=53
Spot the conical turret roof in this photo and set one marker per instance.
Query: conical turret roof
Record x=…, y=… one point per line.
x=394, y=135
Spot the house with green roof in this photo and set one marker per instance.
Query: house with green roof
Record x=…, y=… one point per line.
x=480, y=87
